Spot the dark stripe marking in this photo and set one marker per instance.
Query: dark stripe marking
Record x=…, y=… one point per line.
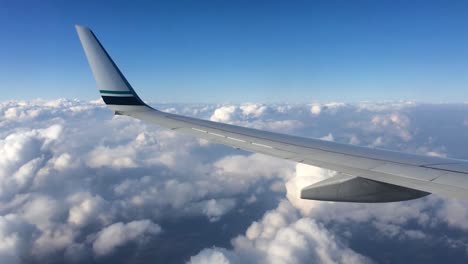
x=121, y=100
x=115, y=92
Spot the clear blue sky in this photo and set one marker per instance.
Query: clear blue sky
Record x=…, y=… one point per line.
x=237, y=51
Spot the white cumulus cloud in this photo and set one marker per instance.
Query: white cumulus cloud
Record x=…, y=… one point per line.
x=78, y=184
x=118, y=234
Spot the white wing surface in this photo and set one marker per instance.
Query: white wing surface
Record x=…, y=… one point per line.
x=368, y=174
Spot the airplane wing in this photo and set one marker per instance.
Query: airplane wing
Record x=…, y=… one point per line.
x=366, y=174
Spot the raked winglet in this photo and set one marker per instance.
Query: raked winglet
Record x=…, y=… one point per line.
x=115, y=90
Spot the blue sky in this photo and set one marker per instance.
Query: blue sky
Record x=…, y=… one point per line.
x=237, y=51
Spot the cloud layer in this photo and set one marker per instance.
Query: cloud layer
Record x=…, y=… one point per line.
x=79, y=184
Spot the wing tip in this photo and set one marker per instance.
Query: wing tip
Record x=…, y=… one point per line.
x=81, y=28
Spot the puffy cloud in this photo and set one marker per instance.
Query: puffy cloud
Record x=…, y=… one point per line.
x=119, y=234
x=13, y=243
x=64, y=181
x=282, y=237
x=316, y=109
x=53, y=240
x=86, y=208
x=255, y=110
x=256, y=116
x=76, y=182
x=396, y=122
x=384, y=128
x=249, y=168
x=215, y=255
x=223, y=114
x=41, y=211
x=118, y=157
x=454, y=213
x=23, y=153
x=332, y=107
x=214, y=209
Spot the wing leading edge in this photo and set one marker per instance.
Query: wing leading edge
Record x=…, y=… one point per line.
x=378, y=174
